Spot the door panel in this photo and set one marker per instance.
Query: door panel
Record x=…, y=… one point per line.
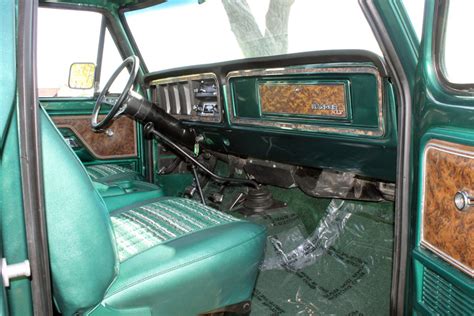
x=447, y=168
x=120, y=140
x=443, y=134
x=121, y=145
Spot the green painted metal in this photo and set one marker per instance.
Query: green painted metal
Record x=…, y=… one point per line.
x=341, y=152
x=406, y=46
x=12, y=221
x=439, y=114
x=401, y=33
x=103, y=4
x=68, y=106
x=7, y=62
x=459, y=286
x=441, y=297
x=451, y=288
x=363, y=102
x=172, y=184
x=12, y=226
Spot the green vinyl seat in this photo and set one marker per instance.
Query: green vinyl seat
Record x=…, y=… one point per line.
x=166, y=256
x=120, y=186
x=109, y=173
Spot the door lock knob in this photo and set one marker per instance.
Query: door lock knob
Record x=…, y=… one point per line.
x=463, y=201
x=13, y=271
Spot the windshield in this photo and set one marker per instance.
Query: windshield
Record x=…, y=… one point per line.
x=191, y=32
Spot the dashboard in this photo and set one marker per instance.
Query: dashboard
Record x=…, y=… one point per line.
x=194, y=97
x=321, y=110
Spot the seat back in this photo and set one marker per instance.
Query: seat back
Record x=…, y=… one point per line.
x=80, y=236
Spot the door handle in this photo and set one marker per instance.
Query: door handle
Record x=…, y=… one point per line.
x=71, y=141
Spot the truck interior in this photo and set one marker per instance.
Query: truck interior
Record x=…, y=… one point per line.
x=244, y=164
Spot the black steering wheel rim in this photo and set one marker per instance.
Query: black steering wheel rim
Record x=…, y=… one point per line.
x=133, y=64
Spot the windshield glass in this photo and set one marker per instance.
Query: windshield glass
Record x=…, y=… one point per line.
x=191, y=32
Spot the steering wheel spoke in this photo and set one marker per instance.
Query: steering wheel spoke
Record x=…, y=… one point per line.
x=117, y=106
x=109, y=102
x=120, y=111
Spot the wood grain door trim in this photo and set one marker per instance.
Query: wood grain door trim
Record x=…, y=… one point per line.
x=448, y=168
x=122, y=144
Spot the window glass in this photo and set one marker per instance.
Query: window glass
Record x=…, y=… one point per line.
x=189, y=32
x=459, y=46
x=65, y=37
x=110, y=63
x=415, y=10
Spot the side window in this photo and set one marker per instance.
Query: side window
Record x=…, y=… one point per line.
x=110, y=62
x=415, y=10
x=458, y=46
x=65, y=39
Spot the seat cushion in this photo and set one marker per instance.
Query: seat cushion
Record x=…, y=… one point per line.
x=146, y=226
x=179, y=257
x=107, y=173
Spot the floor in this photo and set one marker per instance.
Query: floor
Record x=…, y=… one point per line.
x=324, y=257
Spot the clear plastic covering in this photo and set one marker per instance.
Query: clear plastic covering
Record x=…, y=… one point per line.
x=343, y=185
x=310, y=249
x=342, y=267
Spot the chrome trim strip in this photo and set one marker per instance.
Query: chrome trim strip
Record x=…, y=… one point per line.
x=380, y=131
x=347, y=100
x=453, y=151
x=206, y=75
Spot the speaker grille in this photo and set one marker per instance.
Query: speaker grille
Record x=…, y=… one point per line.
x=442, y=297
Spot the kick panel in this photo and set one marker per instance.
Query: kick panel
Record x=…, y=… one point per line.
x=447, y=226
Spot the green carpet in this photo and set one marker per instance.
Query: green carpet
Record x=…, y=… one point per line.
x=351, y=277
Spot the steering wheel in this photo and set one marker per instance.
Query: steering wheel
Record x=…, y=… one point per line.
x=117, y=108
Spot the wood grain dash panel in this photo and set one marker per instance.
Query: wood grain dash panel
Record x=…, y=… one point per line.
x=448, y=168
x=326, y=100
x=122, y=144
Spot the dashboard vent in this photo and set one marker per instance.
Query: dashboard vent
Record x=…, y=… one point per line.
x=443, y=298
x=194, y=97
x=175, y=98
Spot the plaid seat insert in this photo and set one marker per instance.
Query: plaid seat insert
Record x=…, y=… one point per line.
x=146, y=226
x=102, y=171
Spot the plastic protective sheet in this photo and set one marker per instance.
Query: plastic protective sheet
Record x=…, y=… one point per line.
x=308, y=250
x=343, y=267
x=343, y=185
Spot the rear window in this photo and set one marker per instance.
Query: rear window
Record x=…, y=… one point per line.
x=191, y=32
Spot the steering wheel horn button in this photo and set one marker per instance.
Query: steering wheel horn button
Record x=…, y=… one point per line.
x=463, y=201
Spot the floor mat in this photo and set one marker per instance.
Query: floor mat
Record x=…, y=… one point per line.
x=351, y=274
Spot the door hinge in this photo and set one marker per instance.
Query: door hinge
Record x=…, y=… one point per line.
x=13, y=271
